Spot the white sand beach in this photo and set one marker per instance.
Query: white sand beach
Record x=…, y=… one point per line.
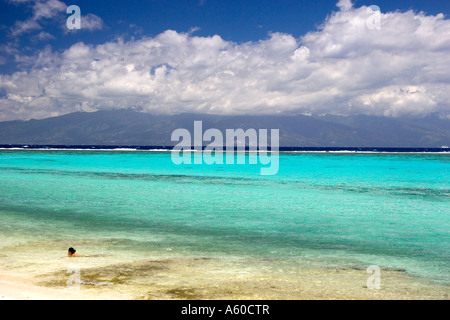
x=15, y=287
x=180, y=282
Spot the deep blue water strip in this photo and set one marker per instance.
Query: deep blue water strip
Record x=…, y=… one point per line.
x=168, y=148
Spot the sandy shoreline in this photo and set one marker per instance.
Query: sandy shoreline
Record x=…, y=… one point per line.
x=13, y=287
x=186, y=279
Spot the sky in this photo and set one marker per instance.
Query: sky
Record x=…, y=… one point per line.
x=343, y=57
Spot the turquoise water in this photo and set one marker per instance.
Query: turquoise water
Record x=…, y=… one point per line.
x=390, y=210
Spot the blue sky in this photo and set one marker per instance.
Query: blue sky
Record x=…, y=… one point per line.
x=234, y=20
x=34, y=39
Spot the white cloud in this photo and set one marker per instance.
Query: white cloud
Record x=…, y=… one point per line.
x=45, y=36
x=91, y=22
x=21, y=27
x=50, y=10
x=42, y=9
x=344, y=5
x=342, y=68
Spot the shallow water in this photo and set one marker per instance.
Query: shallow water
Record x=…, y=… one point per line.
x=218, y=231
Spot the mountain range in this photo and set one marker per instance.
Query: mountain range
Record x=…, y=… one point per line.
x=133, y=128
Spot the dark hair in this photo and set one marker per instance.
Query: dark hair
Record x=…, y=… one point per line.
x=72, y=250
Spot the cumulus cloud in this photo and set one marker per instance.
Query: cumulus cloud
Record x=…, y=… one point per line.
x=344, y=5
x=47, y=10
x=344, y=67
x=21, y=27
x=45, y=36
x=41, y=9
x=89, y=22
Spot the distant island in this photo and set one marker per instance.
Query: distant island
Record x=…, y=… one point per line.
x=128, y=127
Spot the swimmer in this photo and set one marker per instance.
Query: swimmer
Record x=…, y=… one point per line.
x=72, y=252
